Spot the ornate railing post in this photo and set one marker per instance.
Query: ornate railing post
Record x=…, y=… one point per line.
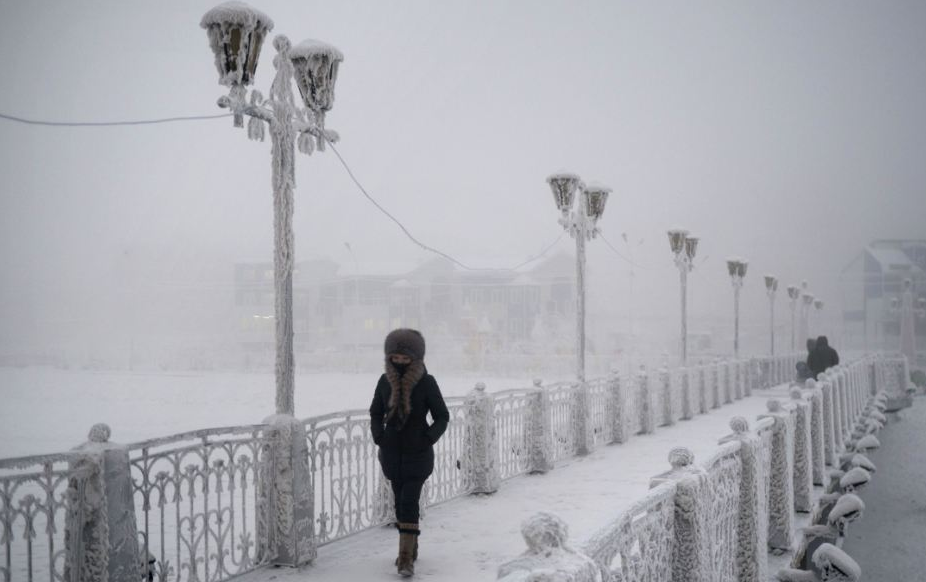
x=581, y=421
x=645, y=401
x=702, y=390
x=739, y=380
x=829, y=433
x=752, y=527
x=687, y=408
x=691, y=559
x=727, y=383
x=665, y=388
x=749, y=375
x=480, y=440
x=839, y=429
x=781, y=487
x=286, y=502
x=715, y=384
x=803, y=453
x=541, y=433
x=103, y=544
x=817, y=433
x=618, y=407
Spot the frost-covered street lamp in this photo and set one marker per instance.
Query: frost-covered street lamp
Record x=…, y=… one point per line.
x=684, y=247
x=793, y=294
x=818, y=307
x=581, y=224
x=737, y=270
x=771, y=289
x=908, y=314
x=236, y=34
x=806, y=304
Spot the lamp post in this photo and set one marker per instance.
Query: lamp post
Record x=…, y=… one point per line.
x=581, y=224
x=684, y=248
x=818, y=308
x=737, y=270
x=908, y=314
x=806, y=304
x=236, y=33
x=793, y=294
x=771, y=288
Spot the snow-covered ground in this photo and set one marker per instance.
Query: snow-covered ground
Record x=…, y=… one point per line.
x=46, y=410
x=469, y=537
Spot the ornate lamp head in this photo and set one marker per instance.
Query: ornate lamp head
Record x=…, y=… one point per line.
x=906, y=284
x=677, y=240
x=315, y=68
x=564, y=188
x=793, y=292
x=741, y=269
x=691, y=247
x=895, y=303
x=818, y=303
x=733, y=267
x=236, y=33
x=595, y=198
x=771, y=283
x=808, y=299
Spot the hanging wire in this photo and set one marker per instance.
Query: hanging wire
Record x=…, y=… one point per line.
x=337, y=153
x=617, y=252
x=421, y=244
x=112, y=123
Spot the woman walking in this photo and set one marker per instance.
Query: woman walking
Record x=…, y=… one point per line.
x=404, y=396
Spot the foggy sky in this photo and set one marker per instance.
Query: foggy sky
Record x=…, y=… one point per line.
x=787, y=133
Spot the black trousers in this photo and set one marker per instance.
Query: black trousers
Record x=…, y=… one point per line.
x=407, y=496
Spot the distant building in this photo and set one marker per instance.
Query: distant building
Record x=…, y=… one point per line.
x=353, y=306
x=870, y=281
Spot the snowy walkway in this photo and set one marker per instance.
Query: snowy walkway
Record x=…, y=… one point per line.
x=888, y=541
x=468, y=538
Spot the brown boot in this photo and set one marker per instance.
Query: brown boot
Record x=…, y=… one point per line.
x=408, y=540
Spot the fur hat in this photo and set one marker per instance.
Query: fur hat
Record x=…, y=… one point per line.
x=408, y=342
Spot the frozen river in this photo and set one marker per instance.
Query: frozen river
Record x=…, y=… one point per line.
x=45, y=410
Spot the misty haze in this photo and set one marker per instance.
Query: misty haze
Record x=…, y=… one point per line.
x=614, y=226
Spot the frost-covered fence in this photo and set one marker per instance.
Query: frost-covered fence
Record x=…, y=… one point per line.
x=41, y=498
x=719, y=521
x=198, y=503
x=211, y=504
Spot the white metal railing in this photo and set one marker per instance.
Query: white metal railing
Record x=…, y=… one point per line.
x=718, y=521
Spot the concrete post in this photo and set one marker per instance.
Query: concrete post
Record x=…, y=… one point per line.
x=781, y=483
x=727, y=383
x=645, y=400
x=829, y=433
x=752, y=528
x=540, y=431
x=691, y=559
x=481, y=441
x=618, y=407
x=803, y=453
x=687, y=408
x=715, y=384
x=286, y=502
x=702, y=390
x=104, y=545
x=817, y=433
x=665, y=388
x=582, y=421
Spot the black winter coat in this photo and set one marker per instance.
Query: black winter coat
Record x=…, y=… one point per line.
x=407, y=454
x=822, y=357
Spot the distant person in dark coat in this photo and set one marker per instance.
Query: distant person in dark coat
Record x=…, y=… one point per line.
x=822, y=357
x=404, y=396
